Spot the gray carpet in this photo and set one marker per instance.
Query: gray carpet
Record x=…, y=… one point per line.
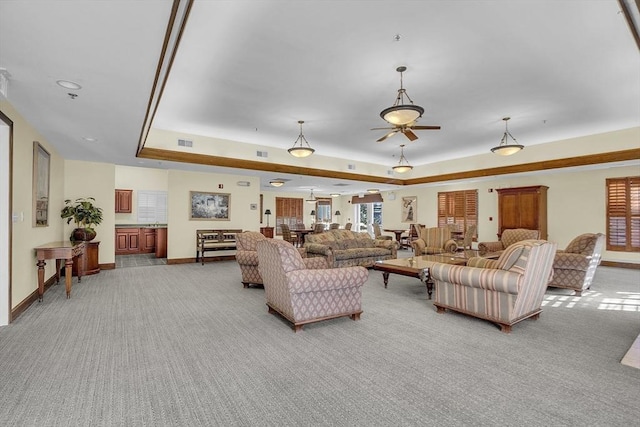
x=186, y=345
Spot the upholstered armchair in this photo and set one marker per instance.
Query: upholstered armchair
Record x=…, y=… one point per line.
x=574, y=267
x=377, y=233
x=247, y=257
x=434, y=240
x=302, y=294
x=508, y=238
x=505, y=291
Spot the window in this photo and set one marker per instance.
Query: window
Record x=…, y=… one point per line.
x=323, y=210
x=623, y=214
x=366, y=214
x=458, y=209
x=288, y=211
x=152, y=207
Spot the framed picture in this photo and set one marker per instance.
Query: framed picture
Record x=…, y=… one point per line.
x=41, y=167
x=209, y=206
x=409, y=209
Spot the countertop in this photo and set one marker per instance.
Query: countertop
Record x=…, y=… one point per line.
x=141, y=225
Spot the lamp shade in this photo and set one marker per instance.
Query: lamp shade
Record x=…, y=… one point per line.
x=337, y=213
x=504, y=148
x=267, y=212
x=313, y=213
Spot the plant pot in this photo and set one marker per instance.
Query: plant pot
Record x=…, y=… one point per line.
x=83, y=235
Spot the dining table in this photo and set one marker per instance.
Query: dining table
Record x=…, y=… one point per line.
x=398, y=232
x=301, y=233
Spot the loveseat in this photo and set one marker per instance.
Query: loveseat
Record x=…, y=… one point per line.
x=346, y=248
x=509, y=237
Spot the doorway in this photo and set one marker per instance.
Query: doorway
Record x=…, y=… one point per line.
x=6, y=163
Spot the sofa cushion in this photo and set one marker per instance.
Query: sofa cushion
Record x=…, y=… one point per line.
x=583, y=244
x=509, y=257
x=360, y=253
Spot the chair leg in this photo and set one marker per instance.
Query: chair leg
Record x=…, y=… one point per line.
x=505, y=328
x=355, y=316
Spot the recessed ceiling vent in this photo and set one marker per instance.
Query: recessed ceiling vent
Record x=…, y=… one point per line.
x=185, y=143
x=262, y=153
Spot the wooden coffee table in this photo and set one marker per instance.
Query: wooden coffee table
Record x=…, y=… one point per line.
x=417, y=267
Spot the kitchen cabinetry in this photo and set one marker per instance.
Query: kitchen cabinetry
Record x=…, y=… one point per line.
x=127, y=241
x=523, y=207
x=147, y=240
x=123, y=201
x=141, y=240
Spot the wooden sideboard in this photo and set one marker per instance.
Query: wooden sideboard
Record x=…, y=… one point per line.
x=523, y=207
x=90, y=263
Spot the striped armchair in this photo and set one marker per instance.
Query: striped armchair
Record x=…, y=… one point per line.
x=303, y=295
x=574, y=267
x=434, y=240
x=504, y=291
x=508, y=238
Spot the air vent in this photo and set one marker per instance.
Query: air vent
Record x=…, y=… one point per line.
x=351, y=167
x=390, y=172
x=185, y=143
x=262, y=153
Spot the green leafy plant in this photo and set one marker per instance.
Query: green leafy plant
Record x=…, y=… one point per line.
x=82, y=212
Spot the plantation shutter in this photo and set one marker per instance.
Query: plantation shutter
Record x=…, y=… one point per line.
x=288, y=211
x=458, y=209
x=623, y=214
x=152, y=207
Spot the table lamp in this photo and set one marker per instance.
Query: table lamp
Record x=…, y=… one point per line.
x=267, y=213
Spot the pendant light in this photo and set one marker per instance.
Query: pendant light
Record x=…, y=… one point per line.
x=304, y=149
x=504, y=148
x=400, y=114
x=312, y=198
x=276, y=182
x=403, y=165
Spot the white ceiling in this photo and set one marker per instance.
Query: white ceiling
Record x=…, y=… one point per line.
x=249, y=70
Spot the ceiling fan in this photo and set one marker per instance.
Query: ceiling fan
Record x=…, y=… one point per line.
x=407, y=130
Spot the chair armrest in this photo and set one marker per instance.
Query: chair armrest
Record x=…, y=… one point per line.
x=486, y=247
x=450, y=246
x=568, y=261
x=316, y=263
x=473, y=277
x=418, y=246
x=300, y=281
x=482, y=262
x=384, y=237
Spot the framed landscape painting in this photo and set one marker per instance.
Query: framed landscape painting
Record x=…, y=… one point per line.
x=209, y=206
x=409, y=209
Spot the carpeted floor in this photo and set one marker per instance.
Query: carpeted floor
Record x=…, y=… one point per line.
x=186, y=345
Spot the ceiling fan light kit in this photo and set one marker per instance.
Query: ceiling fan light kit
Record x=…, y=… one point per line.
x=304, y=149
x=504, y=148
x=400, y=113
x=403, y=165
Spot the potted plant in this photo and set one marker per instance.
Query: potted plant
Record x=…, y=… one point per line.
x=85, y=215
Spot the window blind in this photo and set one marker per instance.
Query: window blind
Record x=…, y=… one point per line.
x=623, y=214
x=152, y=207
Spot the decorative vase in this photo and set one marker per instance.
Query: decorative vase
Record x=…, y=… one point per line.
x=83, y=235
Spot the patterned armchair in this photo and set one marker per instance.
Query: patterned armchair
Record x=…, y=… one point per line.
x=434, y=240
x=303, y=295
x=575, y=267
x=247, y=257
x=504, y=291
x=508, y=238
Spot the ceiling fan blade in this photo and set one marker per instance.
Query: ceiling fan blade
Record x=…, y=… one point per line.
x=426, y=127
x=412, y=136
x=383, y=128
x=387, y=135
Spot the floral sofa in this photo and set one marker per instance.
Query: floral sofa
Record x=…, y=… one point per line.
x=346, y=248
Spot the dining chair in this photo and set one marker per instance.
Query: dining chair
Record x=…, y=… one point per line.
x=288, y=236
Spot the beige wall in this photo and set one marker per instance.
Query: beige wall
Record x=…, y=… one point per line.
x=575, y=204
x=25, y=235
x=182, y=230
x=97, y=180
x=137, y=179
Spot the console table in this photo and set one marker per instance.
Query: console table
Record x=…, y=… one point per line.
x=59, y=251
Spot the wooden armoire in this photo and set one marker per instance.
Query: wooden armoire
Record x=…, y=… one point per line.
x=523, y=207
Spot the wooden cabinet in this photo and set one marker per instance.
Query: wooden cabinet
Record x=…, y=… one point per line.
x=267, y=231
x=147, y=240
x=123, y=201
x=161, y=243
x=523, y=207
x=127, y=241
x=90, y=263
